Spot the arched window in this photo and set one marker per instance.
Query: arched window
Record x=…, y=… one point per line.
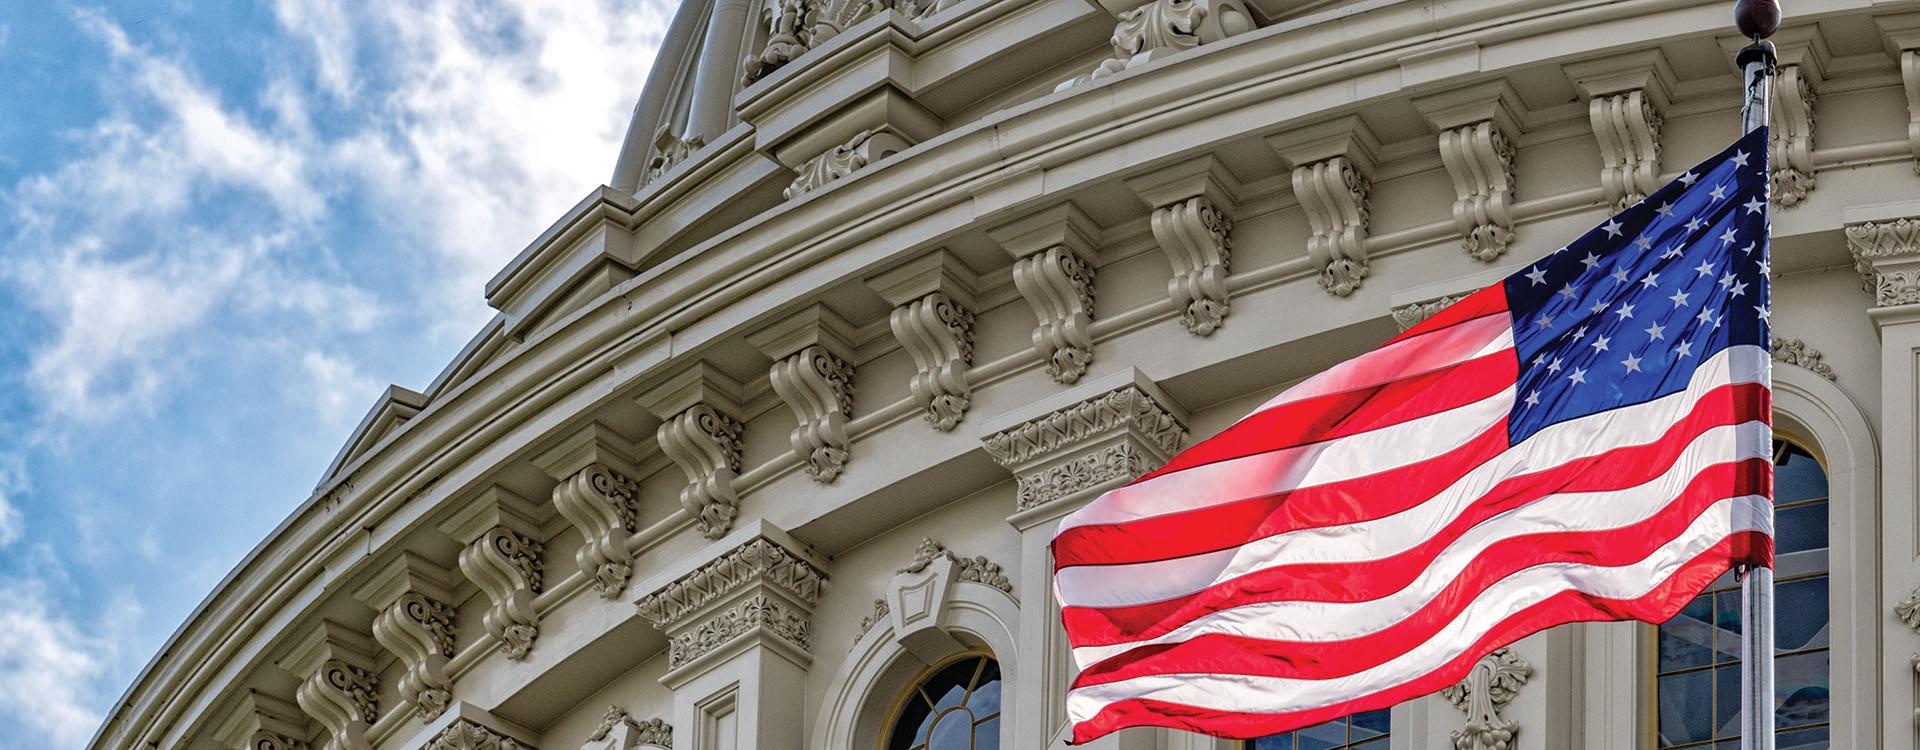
x=955, y=707
x=1697, y=682
x=1366, y=730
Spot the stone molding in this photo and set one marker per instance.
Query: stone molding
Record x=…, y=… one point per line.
x=1053, y=269
x=263, y=722
x=933, y=320
x=1796, y=352
x=1165, y=27
x=1627, y=101
x=503, y=556
x=463, y=734
x=1495, y=680
x=812, y=373
x=757, y=587
x=618, y=730
x=1192, y=222
x=1102, y=441
x=1331, y=166
x=1887, y=255
x=700, y=432
x=1412, y=314
x=338, y=685
x=415, y=623
x=865, y=147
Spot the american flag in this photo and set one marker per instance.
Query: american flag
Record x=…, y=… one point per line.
x=1588, y=439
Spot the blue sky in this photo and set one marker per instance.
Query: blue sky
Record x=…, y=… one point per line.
x=224, y=227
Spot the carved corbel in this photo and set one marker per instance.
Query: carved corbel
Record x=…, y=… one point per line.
x=1477, y=128
x=1886, y=252
x=1492, y=684
x=1627, y=101
x=865, y=147
x=415, y=622
x=599, y=494
x=619, y=731
x=1802, y=55
x=700, y=431
x=1054, y=253
x=1193, y=205
x=502, y=552
x=812, y=372
x=1164, y=27
x=1331, y=164
x=759, y=592
x=933, y=305
x=263, y=722
x=338, y=684
x=1901, y=35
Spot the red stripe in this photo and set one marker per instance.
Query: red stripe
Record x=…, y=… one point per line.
x=1485, y=302
x=1338, y=415
x=1229, y=525
x=1659, y=605
x=1233, y=654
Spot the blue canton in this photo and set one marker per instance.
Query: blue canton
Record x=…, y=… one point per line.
x=1625, y=314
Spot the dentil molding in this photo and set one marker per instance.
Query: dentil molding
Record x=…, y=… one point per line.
x=598, y=494
x=1053, y=269
x=760, y=588
x=811, y=372
x=619, y=731
x=700, y=432
x=933, y=319
x=1492, y=684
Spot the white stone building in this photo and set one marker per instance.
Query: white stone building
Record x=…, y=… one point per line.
x=764, y=446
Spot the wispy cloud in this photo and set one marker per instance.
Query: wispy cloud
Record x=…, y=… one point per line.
x=50, y=665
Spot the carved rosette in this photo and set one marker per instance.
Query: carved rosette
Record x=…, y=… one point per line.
x=1887, y=255
x=818, y=387
x=506, y=565
x=705, y=444
x=1479, y=158
x=1796, y=352
x=1082, y=432
x=1628, y=128
x=464, y=734
x=344, y=699
x=1164, y=27
x=1335, y=196
x=1194, y=234
x=1790, y=139
x=1410, y=315
x=602, y=504
x=758, y=587
x=1058, y=284
x=419, y=630
x=938, y=333
x=1492, y=684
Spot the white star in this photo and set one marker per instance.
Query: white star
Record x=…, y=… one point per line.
x=1578, y=376
x=1766, y=267
x=1643, y=243
x=1679, y=299
x=1726, y=280
x=1748, y=249
x=1554, y=366
x=1590, y=261
x=1580, y=334
x=1568, y=292
x=1620, y=274
x=1765, y=313
x=1544, y=321
x=1740, y=158
x=1718, y=319
x=1652, y=280
x=1598, y=307
x=1657, y=331
x=1538, y=275
x=1612, y=228
x=1704, y=269
x=1665, y=209
x=1739, y=288
x=1539, y=358
x=1673, y=252
x=1625, y=312
x=1694, y=224
x=1719, y=192
x=1726, y=237
x=1755, y=206
x=1533, y=399
x=1600, y=344
x=1632, y=363
x=1705, y=316
x=1688, y=179
x=1685, y=349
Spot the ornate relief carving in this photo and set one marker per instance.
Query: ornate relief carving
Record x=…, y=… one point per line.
x=1164, y=27
x=1796, y=352
x=602, y=503
x=1628, y=128
x=863, y=148
x=463, y=734
x=1334, y=194
x=619, y=731
x=880, y=612
x=506, y=565
x=1492, y=684
x=1790, y=140
x=1194, y=234
x=1058, y=284
x=938, y=333
x=796, y=26
x=756, y=562
x=1410, y=315
x=668, y=151
x=1125, y=409
x=1113, y=463
x=267, y=740
x=818, y=387
x=977, y=569
x=1885, y=253
x=344, y=699
x=705, y=443
x=756, y=612
x=1479, y=158
x=419, y=630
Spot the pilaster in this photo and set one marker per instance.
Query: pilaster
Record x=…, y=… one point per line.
x=1627, y=98
x=699, y=409
x=1193, y=205
x=338, y=682
x=1063, y=452
x=1332, y=167
x=1055, y=255
x=812, y=352
x=502, y=554
x=1478, y=126
x=737, y=622
x=415, y=622
x=597, y=492
x=933, y=307
x=263, y=722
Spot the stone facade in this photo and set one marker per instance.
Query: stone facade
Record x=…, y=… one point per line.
x=785, y=414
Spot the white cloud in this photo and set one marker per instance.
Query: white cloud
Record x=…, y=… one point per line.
x=13, y=477
x=327, y=29
x=339, y=392
x=49, y=664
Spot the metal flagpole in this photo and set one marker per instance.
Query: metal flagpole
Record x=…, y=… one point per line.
x=1757, y=20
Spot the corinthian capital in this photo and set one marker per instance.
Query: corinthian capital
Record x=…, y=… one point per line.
x=1627, y=99
x=1053, y=268
x=933, y=319
x=812, y=373
x=1331, y=164
x=415, y=622
x=1886, y=252
x=598, y=493
x=758, y=590
x=1193, y=205
x=338, y=685
x=502, y=554
x=1117, y=428
x=700, y=432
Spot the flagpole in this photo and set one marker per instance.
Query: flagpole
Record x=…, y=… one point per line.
x=1757, y=20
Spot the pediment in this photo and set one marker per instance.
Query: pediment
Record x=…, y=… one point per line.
x=395, y=407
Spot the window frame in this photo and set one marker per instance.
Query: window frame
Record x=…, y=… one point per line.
x=913, y=689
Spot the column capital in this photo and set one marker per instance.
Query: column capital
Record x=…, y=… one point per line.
x=1086, y=441
x=758, y=589
x=1885, y=243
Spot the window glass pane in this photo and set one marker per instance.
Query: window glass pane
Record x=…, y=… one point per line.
x=986, y=734
x=911, y=729
x=953, y=731
x=1371, y=724
x=985, y=700
x=1800, y=529
x=1798, y=478
x=1726, y=702
x=1686, y=708
x=1276, y=742
x=1800, y=690
x=1687, y=639
x=1800, y=615
x=948, y=688
x=1726, y=630
x=949, y=724
x=1802, y=739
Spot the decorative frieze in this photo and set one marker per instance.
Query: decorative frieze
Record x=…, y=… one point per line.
x=977, y=569
x=1053, y=268
x=796, y=26
x=700, y=431
x=1164, y=27
x=468, y=735
x=812, y=374
x=1100, y=442
x=879, y=615
x=865, y=147
x=598, y=494
x=1193, y=204
x=338, y=685
x=1796, y=352
x=1492, y=684
x=503, y=557
x=760, y=586
x=1887, y=255
x=933, y=319
x=619, y=731
x=416, y=624
x=1412, y=314
x=1331, y=164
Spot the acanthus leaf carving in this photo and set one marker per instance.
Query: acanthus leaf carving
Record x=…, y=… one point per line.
x=795, y=26
x=1910, y=82
x=419, y=630
x=1492, y=684
x=938, y=333
x=465, y=734
x=1790, y=139
x=879, y=615
x=1410, y=315
x=618, y=730
x=1058, y=284
x=818, y=386
x=1796, y=352
x=506, y=564
x=1163, y=27
x=1627, y=125
x=705, y=443
x=760, y=561
x=267, y=740
x=603, y=504
x=669, y=151
x=1479, y=159
x=1026, y=447
x=344, y=699
x=1196, y=237
x=1335, y=194
x=755, y=612
x=863, y=148
x=1887, y=255
x=977, y=569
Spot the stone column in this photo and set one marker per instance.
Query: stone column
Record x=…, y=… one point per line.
x=414, y=599
x=737, y=622
x=503, y=554
x=1885, y=243
x=598, y=492
x=338, y=682
x=1063, y=452
x=714, y=79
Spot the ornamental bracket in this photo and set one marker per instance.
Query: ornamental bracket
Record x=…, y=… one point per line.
x=1331, y=165
x=933, y=304
x=1627, y=99
x=503, y=555
x=598, y=492
x=1055, y=255
x=700, y=431
x=338, y=683
x=1492, y=684
x=415, y=622
x=812, y=372
x=1478, y=127
x=1193, y=204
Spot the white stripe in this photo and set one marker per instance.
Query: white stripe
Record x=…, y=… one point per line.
x=1421, y=354
x=1409, y=443
x=1274, y=695
x=1572, y=512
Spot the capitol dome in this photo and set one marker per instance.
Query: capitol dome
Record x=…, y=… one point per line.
x=766, y=441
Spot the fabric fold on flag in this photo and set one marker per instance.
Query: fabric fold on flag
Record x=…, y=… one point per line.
x=1589, y=439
